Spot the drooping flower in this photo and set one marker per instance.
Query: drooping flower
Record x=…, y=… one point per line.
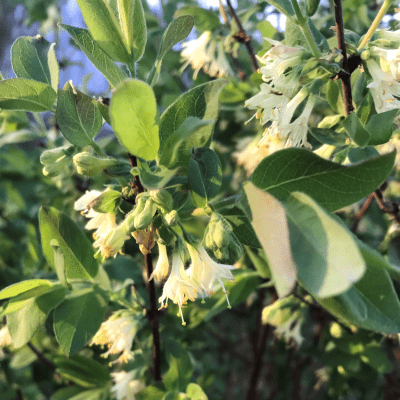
x=5, y=340
x=200, y=53
x=126, y=386
x=254, y=152
x=162, y=267
x=102, y=222
x=117, y=333
x=384, y=88
x=277, y=61
x=389, y=60
x=204, y=271
x=293, y=132
x=179, y=288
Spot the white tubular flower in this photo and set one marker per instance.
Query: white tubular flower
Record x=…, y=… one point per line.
x=389, y=60
x=204, y=271
x=295, y=133
x=179, y=287
x=279, y=59
x=195, y=53
x=103, y=223
x=126, y=386
x=268, y=103
x=111, y=244
x=117, y=333
x=162, y=267
x=200, y=53
x=5, y=337
x=384, y=88
x=254, y=152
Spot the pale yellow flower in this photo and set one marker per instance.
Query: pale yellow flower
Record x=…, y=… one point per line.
x=162, y=267
x=117, y=333
x=126, y=386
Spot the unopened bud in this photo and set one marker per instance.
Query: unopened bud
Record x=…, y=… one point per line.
x=52, y=156
x=172, y=217
x=55, y=169
x=143, y=220
x=162, y=198
x=365, y=55
x=89, y=165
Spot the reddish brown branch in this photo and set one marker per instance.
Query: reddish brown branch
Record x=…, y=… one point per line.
x=345, y=77
x=152, y=312
x=242, y=37
x=361, y=213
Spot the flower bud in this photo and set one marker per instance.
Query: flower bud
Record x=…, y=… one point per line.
x=162, y=198
x=52, y=156
x=54, y=169
x=143, y=220
x=366, y=55
x=89, y=165
x=172, y=217
x=162, y=267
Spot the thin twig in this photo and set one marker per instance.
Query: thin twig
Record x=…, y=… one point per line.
x=388, y=207
x=361, y=213
x=242, y=36
x=345, y=77
x=152, y=312
x=42, y=357
x=261, y=335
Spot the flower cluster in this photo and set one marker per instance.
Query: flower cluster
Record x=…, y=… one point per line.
x=276, y=102
x=126, y=386
x=198, y=279
x=207, y=53
x=117, y=333
x=383, y=65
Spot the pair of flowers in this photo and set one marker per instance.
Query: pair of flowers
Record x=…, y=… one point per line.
x=277, y=101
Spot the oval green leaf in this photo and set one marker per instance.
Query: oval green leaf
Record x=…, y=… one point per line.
x=133, y=113
x=27, y=95
x=331, y=185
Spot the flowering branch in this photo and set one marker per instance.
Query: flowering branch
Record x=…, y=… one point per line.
x=346, y=84
x=152, y=312
x=242, y=36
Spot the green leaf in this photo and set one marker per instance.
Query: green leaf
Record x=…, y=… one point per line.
x=76, y=247
x=96, y=55
x=331, y=185
x=104, y=28
x=195, y=392
x=33, y=58
x=200, y=102
x=24, y=323
x=356, y=130
x=334, y=96
x=241, y=225
x=133, y=25
x=77, y=116
x=176, y=31
x=329, y=136
x=59, y=262
x=154, y=179
x=328, y=259
x=269, y=222
x=179, y=373
x=22, y=287
x=204, y=175
x=204, y=20
x=319, y=38
x=133, y=113
x=283, y=6
x=376, y=357
x=107, y=202
x=27, y=95
x=83, y=371
x=78, y=318
x=371, y=303
x=176, y=146
x=380, y=127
